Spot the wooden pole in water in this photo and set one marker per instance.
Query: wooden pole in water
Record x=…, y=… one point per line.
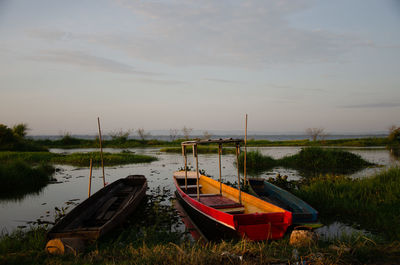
x=245, y=154
x=238, y=171
x=197, y=171
x=220, y=174
x=185, y=157
x=101, y=152
x=90, y=177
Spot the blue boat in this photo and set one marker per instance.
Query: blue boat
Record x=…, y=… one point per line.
x=301, y=211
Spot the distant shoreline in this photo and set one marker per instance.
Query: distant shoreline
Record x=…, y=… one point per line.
x=269, y=137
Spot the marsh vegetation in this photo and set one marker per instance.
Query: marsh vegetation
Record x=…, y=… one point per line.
x=19, y=178
x=310, y=161
x=76, y=159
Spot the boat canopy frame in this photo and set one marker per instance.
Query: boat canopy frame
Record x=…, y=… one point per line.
x=220, y=142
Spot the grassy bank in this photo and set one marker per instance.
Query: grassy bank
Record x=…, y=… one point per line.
x=18, y=178
x=150, y=237
x=76, y=159
x=309, y=161
x=373, y=202
x=27, y=248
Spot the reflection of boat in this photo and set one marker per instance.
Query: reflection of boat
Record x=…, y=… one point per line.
x=191, y=226
x=301, y=211
x=226, y=209
x=101, y=212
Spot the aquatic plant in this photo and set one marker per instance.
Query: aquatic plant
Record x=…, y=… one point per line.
x=255, y=161
x=316, y=160
x=110, y=159
x=18, y=178
x=372, y=202
x=76, y=159
x=310, y=161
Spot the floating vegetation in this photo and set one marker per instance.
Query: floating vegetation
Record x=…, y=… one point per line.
x=76, y=159
x=310, y=161
x=19, y=179
x=110, y=159
x=316, y=160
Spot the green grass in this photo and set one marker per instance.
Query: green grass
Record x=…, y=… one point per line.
x=201, y=149
x=309, y=161
x=76, y=159
x=255, y=161
x=110, y=159
x=373, y=202
x=18, y=178
x=316, y=160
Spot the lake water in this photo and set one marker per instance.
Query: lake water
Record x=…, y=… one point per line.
x=73, y=186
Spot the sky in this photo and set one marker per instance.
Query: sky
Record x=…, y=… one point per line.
x=159, y=65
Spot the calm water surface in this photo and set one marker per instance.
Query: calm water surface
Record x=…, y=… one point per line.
x=73, y=186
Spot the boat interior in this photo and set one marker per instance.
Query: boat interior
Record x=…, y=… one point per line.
x=214, y=200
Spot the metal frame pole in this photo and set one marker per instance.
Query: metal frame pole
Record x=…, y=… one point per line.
x=185, y=157
x=220, y=173
x=238, y=171
x=197, y=170
x=245, y=154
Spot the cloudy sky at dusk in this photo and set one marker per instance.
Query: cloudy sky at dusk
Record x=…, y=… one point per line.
x=202, y=64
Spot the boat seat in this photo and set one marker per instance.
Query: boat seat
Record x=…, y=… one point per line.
x=232, y=210
x=204, y=194
x=190, y=186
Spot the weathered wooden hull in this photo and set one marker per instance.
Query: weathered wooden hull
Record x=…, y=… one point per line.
x=102, y=211
x=301, y=211
x=259, y=221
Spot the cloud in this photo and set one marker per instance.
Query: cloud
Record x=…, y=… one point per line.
x=222, y=81
x=372, y=105
x=249, y=34
x=79, y=58
x=236, y=33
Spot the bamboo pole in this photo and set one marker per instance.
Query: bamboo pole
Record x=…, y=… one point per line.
x=238, y=171
x=220, y=174
x=197, y=170
x=245, y=154
x=185, y=157
x=90, y=178
x=101, y=152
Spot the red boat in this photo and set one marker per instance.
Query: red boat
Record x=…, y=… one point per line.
x=225, y=209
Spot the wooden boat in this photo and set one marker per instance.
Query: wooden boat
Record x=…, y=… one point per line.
x=101, y=212
x=301, y=211
x=229, y=211
x=254, y=218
